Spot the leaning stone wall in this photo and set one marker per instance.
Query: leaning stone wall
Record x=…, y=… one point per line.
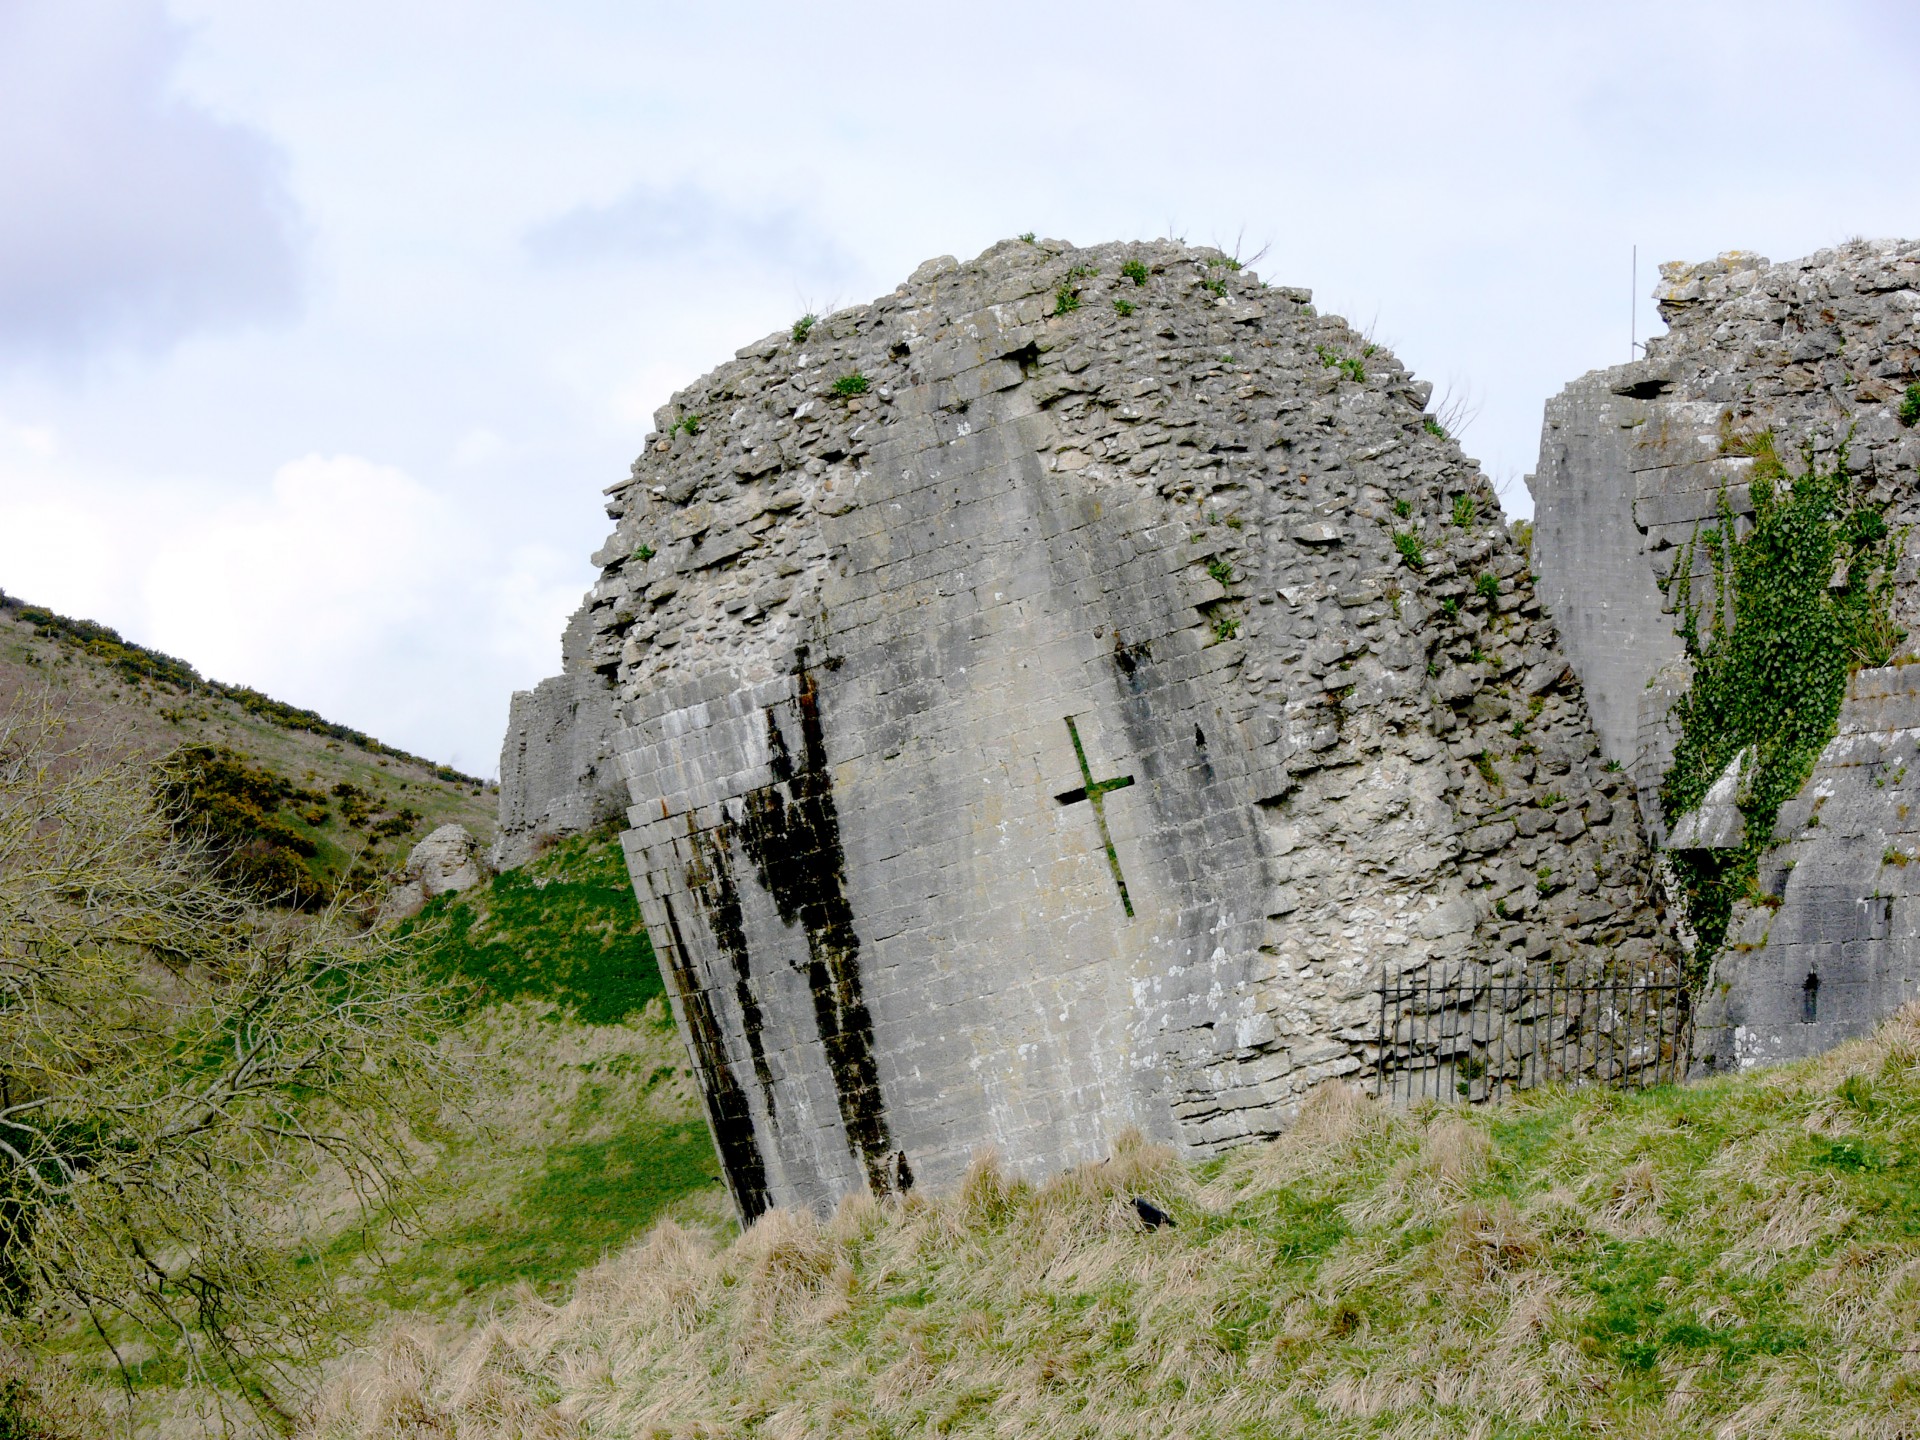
x=1045, y=733
x=1633, y=460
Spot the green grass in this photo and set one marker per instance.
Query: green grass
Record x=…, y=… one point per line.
x=564, y=930
x=507, y=1214
x=1731, y=1257
x=592, y=1130
x=590, y=1198
x=586, y=1129
x=583, y=1153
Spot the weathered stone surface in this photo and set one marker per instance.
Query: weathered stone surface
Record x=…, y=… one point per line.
x=447, y=861
x=1591, y=556
x=1716, y=822
x=1054, y=738
x=558, y=773
x=1841, y=947
x=1632, y=460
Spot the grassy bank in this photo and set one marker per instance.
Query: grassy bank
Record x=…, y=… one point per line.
x=1740, y=1257
x=587, y=1128
x=583, y=1129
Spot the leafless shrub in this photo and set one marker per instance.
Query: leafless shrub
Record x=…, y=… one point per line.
x=1457, y=408
x=175, y=1063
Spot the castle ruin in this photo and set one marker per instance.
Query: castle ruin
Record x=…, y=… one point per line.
x=1057, y=697
x=1819, y=356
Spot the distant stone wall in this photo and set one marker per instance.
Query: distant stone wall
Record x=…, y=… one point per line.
x=1632, y=461
x=1034, y=726
x=558, y=773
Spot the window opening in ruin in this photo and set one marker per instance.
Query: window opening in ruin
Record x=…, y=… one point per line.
x=1810, y=1000
x=1094, y=792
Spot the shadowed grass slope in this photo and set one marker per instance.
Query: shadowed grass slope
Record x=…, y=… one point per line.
x=592, y=1128
x=1740, y=1257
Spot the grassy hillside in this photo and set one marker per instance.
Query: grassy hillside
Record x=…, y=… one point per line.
x=584, y=1126
x=588, y=1126
x=1740, y=1257
x=306, y=805
x=583, y=1130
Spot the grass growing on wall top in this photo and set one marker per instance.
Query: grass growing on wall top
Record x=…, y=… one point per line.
x=1740, y=1257
x=1799, y=602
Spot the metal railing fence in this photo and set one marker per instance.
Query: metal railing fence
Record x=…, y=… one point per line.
x=1465, y=1033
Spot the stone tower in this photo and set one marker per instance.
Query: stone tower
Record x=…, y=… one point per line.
x=1055, y=697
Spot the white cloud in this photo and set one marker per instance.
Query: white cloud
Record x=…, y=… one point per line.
x=343, y=585
x=26, y=442
x=341, y=552
x=532, y=224
x=477, y=447
x=665, y=223
x=130, y=214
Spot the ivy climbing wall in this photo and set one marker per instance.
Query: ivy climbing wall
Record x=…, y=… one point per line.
x=1772, y=759
x=1057, y=697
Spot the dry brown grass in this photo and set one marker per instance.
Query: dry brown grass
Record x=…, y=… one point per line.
x=1689, y=1263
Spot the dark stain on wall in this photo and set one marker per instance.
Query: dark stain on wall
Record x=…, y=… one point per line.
x=710, y=878
x=727, y=1108
x=791, y=830
x=1128, y=660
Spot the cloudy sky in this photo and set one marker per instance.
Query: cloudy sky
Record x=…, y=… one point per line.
x=323, y=326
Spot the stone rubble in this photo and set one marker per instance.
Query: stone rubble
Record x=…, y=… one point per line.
x=446, y=862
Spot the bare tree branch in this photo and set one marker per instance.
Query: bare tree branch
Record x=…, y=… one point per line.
x=176, y=1062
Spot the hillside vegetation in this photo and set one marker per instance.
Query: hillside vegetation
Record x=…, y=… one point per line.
x=581, y=1128
x=588, y=1127
x=1738, y=1257
x=303, y=807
